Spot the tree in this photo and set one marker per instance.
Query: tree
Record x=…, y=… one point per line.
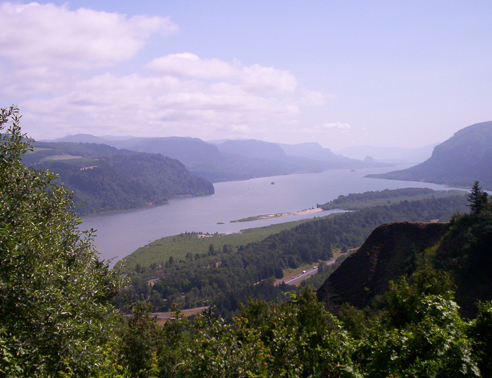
x=139, y=342
x=421, y=333
x=435, y=345
x=56, y=318
x=481, y=331
x=477, y=199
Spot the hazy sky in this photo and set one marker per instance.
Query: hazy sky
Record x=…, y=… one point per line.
x=342, y=73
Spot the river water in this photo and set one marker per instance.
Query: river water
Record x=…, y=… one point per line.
x=120, y=234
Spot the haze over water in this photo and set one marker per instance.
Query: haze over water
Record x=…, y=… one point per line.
x=120, y=234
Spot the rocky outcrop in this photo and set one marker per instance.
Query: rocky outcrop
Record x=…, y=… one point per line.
x=390, y=251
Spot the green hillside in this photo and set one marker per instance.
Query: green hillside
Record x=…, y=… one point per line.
x=357, y=201
x=181, y=247
x=107, y=179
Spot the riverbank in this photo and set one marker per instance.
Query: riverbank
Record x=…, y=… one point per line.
x=309, y=211
x=278, y=215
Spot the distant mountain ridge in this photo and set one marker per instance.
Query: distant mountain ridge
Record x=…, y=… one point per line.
x=392, y=155
x=78, y=138
x=252, y=148
x=316, y=152
x=459, y=161
x=186, y=150
x=233, y=159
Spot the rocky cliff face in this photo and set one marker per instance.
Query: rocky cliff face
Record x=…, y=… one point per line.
x=389, y=252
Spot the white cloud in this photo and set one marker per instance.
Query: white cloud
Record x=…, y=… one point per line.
x=240, y=129
x=159, y=106
x=191, y=66
x=267, y=79
x=36, y=34
x=255, y=78
x=336, y=125
x=27, y=81
x=312, y=98
x=48, y=60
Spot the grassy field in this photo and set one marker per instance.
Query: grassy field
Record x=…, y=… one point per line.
x=62, y=157
x=179, y=246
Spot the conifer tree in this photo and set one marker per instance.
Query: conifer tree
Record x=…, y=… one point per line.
x=477, y=199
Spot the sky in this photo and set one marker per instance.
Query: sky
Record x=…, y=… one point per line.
x=340, y=73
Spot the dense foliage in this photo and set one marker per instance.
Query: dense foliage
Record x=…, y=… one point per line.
x=415, y=329
x=56, y=318
x=106, y=179
x=466, y=252
x=299, y=338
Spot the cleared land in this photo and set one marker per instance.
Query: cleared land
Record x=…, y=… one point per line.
x=179, y=246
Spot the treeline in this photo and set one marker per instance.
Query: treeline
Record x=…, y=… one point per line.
x=299, y=338
x=106, y=179
x=357, y=201
x=228, y=276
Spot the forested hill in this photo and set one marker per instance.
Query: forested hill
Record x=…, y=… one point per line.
x=358, y=201
x=106, y=179
x=460, y=249
x=462, y=159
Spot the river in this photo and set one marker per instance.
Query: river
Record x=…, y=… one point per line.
x=119, y=234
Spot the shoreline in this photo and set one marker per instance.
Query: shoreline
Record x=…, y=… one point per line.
x=278, y=215
x=309, y=211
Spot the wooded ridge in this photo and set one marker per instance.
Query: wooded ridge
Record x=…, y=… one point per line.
x=104, y=178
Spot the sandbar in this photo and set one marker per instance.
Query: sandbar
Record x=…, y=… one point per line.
x=309, y=211
x=268, y=216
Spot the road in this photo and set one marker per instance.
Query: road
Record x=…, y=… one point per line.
x=291, y=281
x=308, y=273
